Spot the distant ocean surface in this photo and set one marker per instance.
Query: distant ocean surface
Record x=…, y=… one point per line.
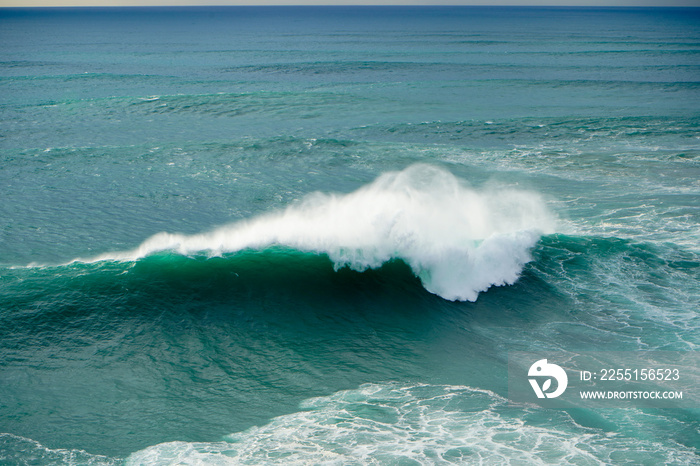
x=313, y=235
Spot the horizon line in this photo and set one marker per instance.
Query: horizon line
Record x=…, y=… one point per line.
x=381, y=3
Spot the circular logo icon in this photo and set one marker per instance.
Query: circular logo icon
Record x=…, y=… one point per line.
x=545, y=372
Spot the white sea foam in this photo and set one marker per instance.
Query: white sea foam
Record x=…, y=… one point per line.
x=458, y=240
x=21, y=450
x=415, y=424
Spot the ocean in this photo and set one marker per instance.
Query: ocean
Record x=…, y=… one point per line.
x=316, y=235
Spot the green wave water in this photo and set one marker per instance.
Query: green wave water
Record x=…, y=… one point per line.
x=220, y=327
x=315, y=235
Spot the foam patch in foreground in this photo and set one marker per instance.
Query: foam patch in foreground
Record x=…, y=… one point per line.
x=421, y=424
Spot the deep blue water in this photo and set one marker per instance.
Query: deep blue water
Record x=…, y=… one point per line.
x=315, y=234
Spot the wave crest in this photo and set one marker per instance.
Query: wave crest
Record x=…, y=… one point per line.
x=457, y=240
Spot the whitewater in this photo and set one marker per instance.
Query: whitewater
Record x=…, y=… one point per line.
x=457, y=240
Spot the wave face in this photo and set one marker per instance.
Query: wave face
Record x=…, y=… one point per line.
x=457, y=240
x=240, y=340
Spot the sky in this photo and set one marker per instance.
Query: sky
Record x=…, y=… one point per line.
x=33, y=3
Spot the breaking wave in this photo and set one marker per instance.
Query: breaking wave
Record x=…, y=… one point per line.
x=458, y=240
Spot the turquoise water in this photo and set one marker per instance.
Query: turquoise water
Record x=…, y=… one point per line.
x=268, y=235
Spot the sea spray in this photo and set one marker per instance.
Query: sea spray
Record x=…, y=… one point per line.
x=458, y=240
